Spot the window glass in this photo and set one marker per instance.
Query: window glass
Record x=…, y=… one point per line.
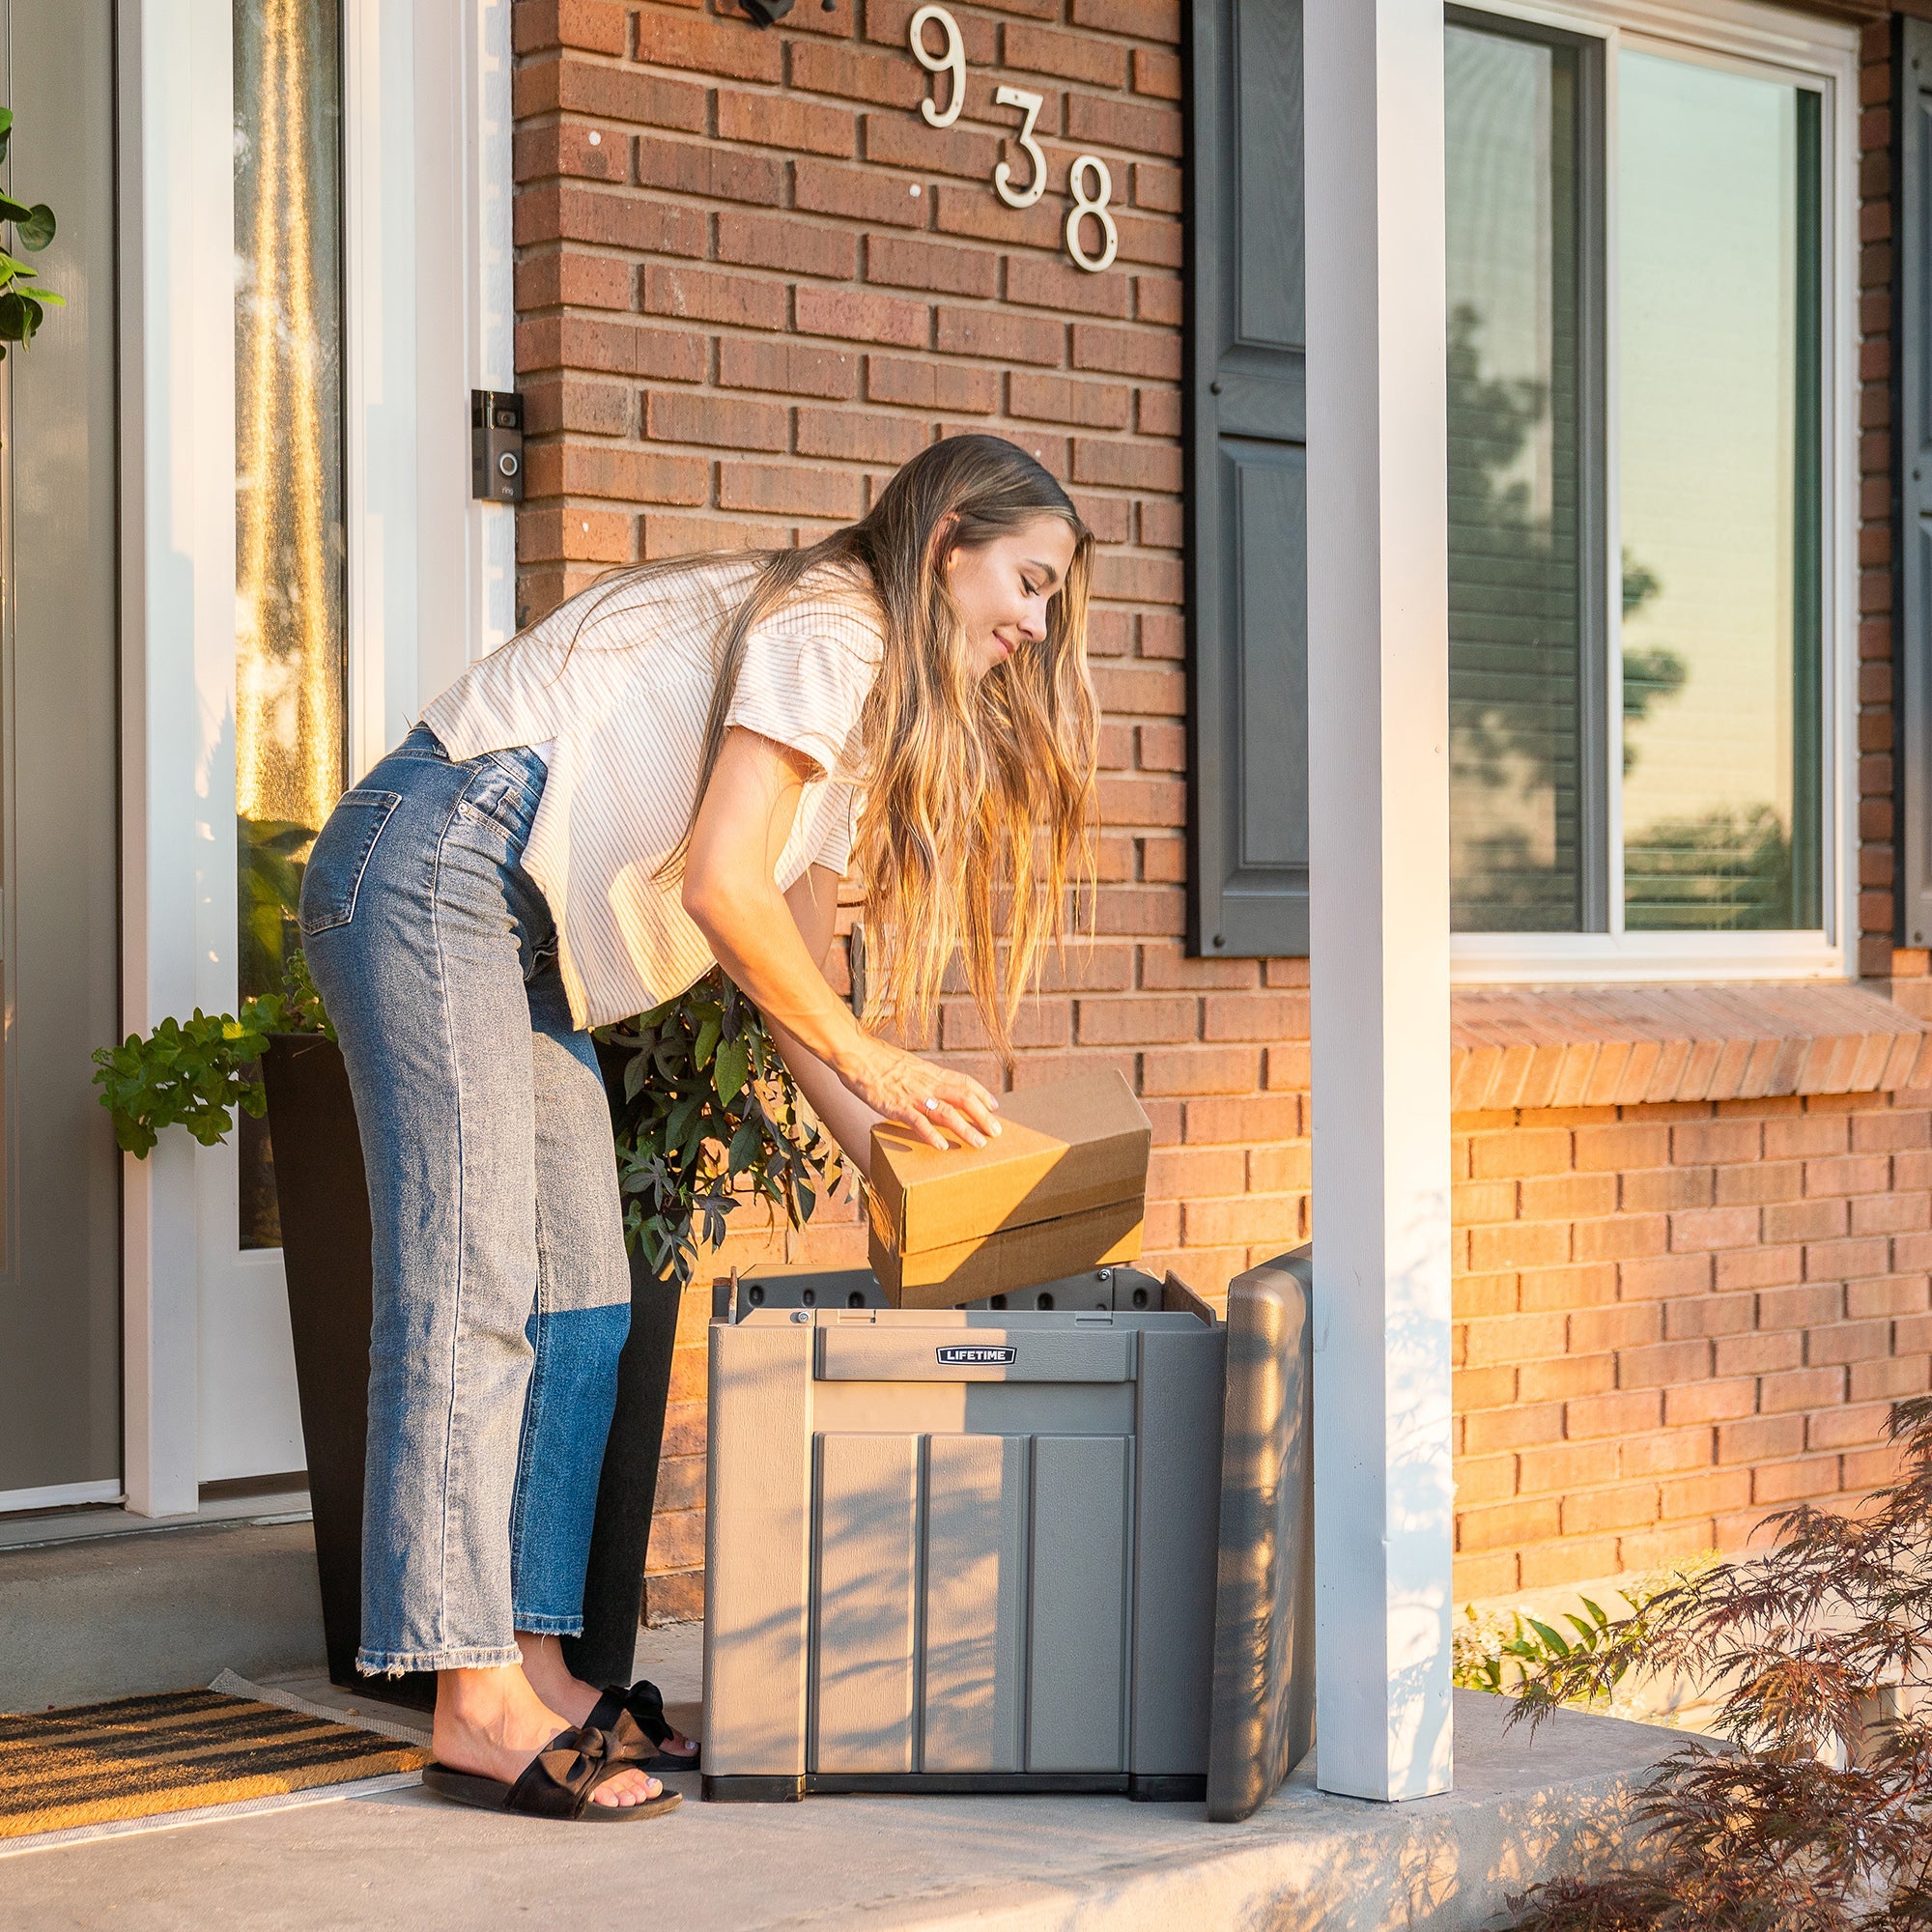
x=1517, y=576
x=1718, y=485
x=290, y=601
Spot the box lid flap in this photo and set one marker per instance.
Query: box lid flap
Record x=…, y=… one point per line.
x=1062, y=1148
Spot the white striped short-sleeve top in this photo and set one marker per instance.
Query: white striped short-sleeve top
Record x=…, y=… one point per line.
x=614, y=687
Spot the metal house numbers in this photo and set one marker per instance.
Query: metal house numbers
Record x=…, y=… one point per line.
x=952, y=61
x=1029, y=105
x=1088, y=181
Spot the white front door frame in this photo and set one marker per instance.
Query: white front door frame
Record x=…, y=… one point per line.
x=427, y=316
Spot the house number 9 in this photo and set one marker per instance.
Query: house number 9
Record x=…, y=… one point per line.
x=1088, y=180
x=952, y=61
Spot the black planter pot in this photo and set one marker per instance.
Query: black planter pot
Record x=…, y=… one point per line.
x=326, y=1242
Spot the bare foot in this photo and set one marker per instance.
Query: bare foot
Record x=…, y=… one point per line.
x=493, y=1724
x=549, y=1677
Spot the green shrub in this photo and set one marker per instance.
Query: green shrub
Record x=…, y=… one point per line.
x=1816, y=1813
x=194, y=1073
x=705, y=1116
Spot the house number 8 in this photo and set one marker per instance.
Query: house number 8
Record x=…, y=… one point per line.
x=1091, y=184
x=1095, y=204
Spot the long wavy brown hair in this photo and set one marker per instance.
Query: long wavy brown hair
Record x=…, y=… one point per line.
x=979, y=809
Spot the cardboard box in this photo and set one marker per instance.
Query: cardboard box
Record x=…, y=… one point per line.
x=1062, y=1188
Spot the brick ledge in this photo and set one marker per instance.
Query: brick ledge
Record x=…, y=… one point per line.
x=1598, y=1047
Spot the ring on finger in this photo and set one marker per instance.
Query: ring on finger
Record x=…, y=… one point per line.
x=931, y=1105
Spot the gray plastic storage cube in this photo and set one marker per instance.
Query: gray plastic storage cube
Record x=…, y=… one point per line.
x=961, y=1549
x=976, y=1550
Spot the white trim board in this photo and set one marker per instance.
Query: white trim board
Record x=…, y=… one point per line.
x=1738, y=27
x=1378, y=817
x=47, y=1529
x=58, y=1495
x=178, y=525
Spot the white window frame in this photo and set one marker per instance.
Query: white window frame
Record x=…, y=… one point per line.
x=427, y=299
x=1822, y=55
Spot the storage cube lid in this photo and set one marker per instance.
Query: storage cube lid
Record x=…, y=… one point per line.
x=1127, y=1291
x=1262, y=1707
x=1062, y=1148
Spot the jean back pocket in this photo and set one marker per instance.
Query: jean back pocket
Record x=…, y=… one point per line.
x=335, y=866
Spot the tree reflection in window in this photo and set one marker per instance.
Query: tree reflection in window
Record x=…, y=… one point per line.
x=1517, y=806
x=1717, y=744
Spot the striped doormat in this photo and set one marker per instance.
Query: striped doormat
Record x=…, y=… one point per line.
x=137, y=1757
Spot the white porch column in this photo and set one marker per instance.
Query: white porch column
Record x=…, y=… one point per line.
x=1378, y=703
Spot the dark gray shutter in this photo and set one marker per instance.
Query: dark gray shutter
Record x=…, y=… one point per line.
x=1246, y=484
x=1912, y=342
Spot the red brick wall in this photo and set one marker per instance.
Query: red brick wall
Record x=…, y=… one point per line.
x=752, y=281
x=1670, y=1320
x=736, y=317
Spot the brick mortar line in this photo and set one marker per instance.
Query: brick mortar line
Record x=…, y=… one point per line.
x=790, y=157
x=866, y=41
x=577, y=311
x=625, y=442
x=862, y=105
x=820, y=222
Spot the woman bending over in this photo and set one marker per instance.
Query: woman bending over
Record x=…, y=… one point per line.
x=666, y=773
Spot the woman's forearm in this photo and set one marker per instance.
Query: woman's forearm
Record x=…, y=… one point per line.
x=731, y=865
x=752, y=932
x=847, y=1119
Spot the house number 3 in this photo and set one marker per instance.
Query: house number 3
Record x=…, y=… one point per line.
x=1088, y=180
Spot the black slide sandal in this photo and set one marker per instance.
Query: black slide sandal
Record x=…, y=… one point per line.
x=558, y=1782
x=643, y=1704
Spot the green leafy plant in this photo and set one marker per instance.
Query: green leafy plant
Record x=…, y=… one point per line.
x=1493, y=1649
x=705, y=1116
x=24, y=298
x=1498, y=1649
x=195, y=1072
x=271, y=855
x=1816, y=1815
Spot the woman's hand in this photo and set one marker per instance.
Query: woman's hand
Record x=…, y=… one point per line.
x=944, y=1108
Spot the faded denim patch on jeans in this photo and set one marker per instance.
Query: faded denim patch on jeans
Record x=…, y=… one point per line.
x=501, y=1289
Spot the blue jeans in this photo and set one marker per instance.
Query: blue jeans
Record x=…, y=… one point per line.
x=502, y=1294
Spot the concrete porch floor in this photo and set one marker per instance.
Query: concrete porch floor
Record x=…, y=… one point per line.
x=1304, y=1864
x=158, y=1612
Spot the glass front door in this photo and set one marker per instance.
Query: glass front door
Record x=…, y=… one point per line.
x=60, y=960
x=290, y=603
